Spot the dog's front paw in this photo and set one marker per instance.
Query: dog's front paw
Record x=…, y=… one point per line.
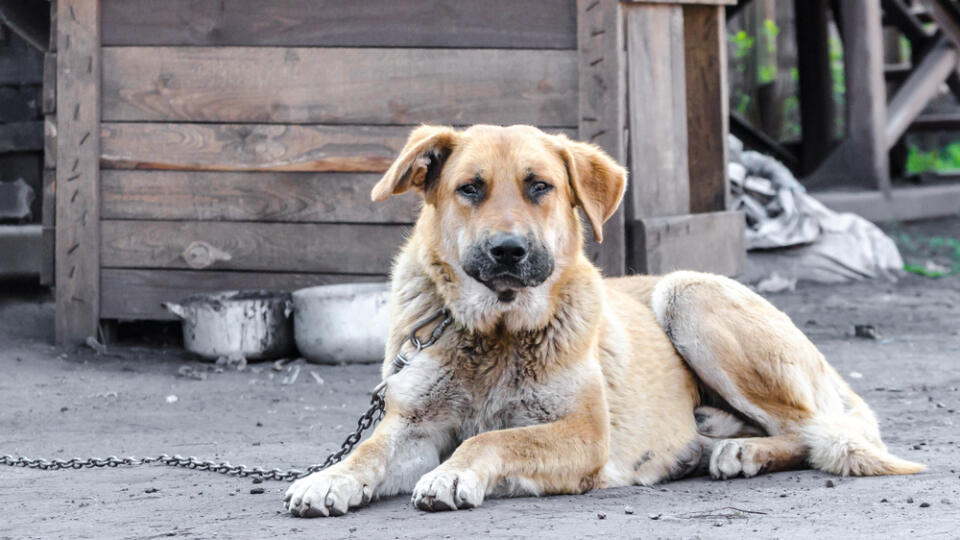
x=732, y=458
x=326, y=493
x=448, y=490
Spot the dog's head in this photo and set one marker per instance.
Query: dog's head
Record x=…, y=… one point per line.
x=501, y=201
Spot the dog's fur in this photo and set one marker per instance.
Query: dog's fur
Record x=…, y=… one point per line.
x=553, y=380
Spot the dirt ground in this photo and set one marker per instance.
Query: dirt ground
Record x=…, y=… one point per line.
x=60, y=403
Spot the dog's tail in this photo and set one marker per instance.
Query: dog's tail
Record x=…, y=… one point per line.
x=848, y=446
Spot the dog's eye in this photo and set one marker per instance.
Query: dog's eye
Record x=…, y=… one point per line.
x=471, y=190
x=539, y=188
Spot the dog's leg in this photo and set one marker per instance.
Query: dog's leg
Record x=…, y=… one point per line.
x=748, y=457
x=565, y=456
x=389, y=462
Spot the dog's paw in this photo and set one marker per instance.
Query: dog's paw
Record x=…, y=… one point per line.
x=448, y=490
x=326, y=493
x=732, y=458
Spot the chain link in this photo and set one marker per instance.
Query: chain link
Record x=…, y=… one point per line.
x=372, y=415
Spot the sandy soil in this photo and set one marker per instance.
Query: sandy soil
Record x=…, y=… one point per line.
x=60, y=403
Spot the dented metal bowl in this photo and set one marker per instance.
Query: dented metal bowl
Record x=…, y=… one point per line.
x=253, y=325
x=345, y=323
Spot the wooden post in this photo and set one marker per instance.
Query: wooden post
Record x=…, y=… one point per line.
x=78, y=170
x=705, y=46
x=817, y=110
x=603, y=109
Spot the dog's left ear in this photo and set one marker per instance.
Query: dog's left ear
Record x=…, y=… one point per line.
x=419, y=162
x=598, y=181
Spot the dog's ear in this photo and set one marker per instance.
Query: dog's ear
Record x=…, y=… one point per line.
x=597, y=180
x=419, y=163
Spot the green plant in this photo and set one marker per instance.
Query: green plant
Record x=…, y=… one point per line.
x=946, y=159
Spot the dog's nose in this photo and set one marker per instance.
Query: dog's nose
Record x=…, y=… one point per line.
x=508, y=249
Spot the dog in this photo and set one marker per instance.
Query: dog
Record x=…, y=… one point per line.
x=553, y=380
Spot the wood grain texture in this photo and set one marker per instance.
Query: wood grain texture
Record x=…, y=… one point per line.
x=50, y=141
x=602, y=68
x=921, y=86
x=48, y=217
x=49, y=94
x=294, y=247
x=21, y=136
x=137, y=294
x=705, y=52
x=78, y=171
x=709, y=242
x=245, y=196
x=253, y=147
x=533, y=24
x=340, y=86
x=658, y=113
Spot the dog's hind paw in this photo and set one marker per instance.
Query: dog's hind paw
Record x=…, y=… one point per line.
x=448, y=490
x=732, y=458
x=326, y=493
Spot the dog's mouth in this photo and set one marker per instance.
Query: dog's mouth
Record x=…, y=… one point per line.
x=505, y=285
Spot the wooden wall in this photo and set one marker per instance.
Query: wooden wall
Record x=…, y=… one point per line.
x=240, y=138
x=21, y=126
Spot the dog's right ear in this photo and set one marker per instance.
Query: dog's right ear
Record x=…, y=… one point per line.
x=419, y=163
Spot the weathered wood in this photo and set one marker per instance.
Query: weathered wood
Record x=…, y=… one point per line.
x=245, y=196
x=19, y=103
x=24, y=241
x=137, y=294
x=78, y=172
x=49, y=95
x=710, y=242
x=532, y=24
x=19, y=62
x=48, y=219
x=253, y=147
x=602, y=69
x=50, y=142
x=28, y=18
x=919, y=88
x=658, y=114
x=21, y=136
x=903, y=204
x=340, y=86
x=817, y=110
x=897, y=13
x=705, y=46
x=936, y=122
x=53, y=26
x=295, y=247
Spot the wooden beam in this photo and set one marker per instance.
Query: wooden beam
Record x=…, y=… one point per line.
x=817, y=110
x=250, y=196
x=295, y=247
x=919, y=88
x=903, y=204
x=710, y=242
x=897, y=13
x=705, y=47
x=602, y=110
x=49, y=223
x=137, y=294
x=755, y=139
x=936, y=122
x=49, y=91
x=340, y=85
x=21, y=136
x=658, y=111
x=525, y=24
x=78, y=170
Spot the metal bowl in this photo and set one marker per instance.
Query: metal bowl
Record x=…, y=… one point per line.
x=253, y=325
x=345, y=323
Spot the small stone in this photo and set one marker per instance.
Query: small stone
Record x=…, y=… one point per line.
x=909, y=500
x=601, y=515
x=352, y=529
x=258, y=480
x=64, y=409
x=866, y=331
x=172, y=399
x=945, y=501
x=924, y=505
x=151, y=490
x=654, y=516
x=830, y=484
x=917, y=447
x=884, y=500
x=259, y=424
x=257, y=491
x=628, y=510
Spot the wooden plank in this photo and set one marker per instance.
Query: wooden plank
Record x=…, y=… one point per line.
x=534, y=24
x=658, y=113
x=24, y=240
x=817, y=110
x=29, y=22
x=294, y=247
x=137, y=294
x=903, y=204
x=19, y=103
x=920, y=87
x=19, y=62
x=50, y=141
x=78, y=171
x=245, y=196
x=936, y=122
x=49, y=95
x=602, y=69
x=48, y=217
x=705, y=48
x=21, y=136
x=710, y=242
x=253, y=147
x=53, y=26
x=340, y=86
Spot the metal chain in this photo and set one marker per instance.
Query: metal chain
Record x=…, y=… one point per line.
x=372, y=415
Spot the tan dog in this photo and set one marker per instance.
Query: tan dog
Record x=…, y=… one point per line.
x=553, y=380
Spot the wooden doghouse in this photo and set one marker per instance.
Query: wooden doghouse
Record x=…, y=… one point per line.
x=221, y=144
